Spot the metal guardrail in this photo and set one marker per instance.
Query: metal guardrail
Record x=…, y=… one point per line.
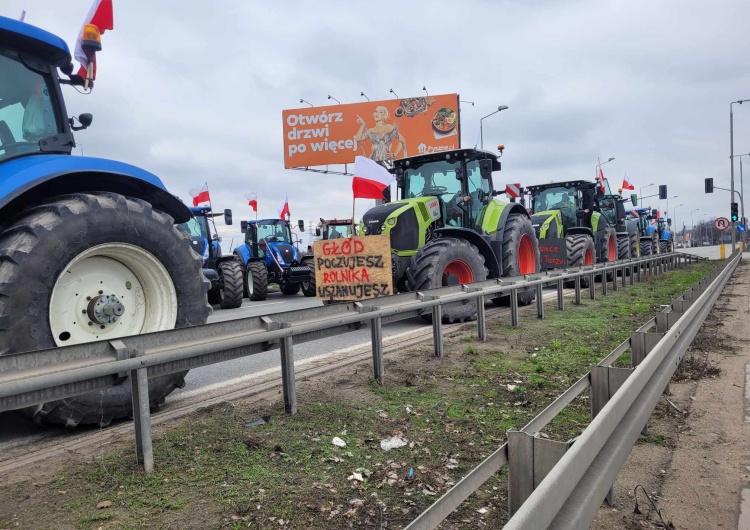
x=36, y=377
x=562, y=484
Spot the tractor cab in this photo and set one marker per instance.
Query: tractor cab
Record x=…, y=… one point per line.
x=335, y=229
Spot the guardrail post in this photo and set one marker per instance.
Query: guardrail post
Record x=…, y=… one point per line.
x=614, y=279
x=592, y=286
x=530, y=459
x=640, y=266
x=539, y=300
x=604, y=284
x=578, y=290
x=632, y=273
x=641, y=343
x=376, y=334
x=481, y=319
x=437, y=329
x=514, y=308
x=622, y=274
x=560, y=298
x=286, y=346
x=144, y=451
x=605, y=381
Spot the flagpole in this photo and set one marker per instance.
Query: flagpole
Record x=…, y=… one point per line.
x=209, y=197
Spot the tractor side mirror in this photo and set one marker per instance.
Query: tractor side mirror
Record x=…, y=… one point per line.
x=669, y=222
x=84, y=119
x=301, y=225
x=228, y=216
x=243, y=226
x=317, y=232
x=663, y=192
x=485, y=169
x=634, y=199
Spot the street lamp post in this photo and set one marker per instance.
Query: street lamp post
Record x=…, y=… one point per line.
x=674, y=216
x=600, y=164
x=481, y=133
x=640, y=199
x=668, y=203
x=731, y=157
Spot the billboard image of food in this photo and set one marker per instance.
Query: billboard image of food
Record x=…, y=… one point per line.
x=380, y=130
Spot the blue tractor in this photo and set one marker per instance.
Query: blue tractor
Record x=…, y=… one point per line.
x=268, y=256
x=88, y=247
x=666, y=236
x=224, y=272
x=648, y=237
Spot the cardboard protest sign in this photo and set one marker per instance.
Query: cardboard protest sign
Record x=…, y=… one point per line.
x=553, y=253
x=380, y=130
x=354, y=268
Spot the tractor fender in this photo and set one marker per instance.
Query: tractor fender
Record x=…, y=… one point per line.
x=490, y=259
x=31, y=180
x=666, y=235
x=580, y=230
x=632, y=229
x=243, y=252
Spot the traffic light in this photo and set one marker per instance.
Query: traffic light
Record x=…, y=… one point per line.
x=709, y=185
x=662, y=192
x=735, y=212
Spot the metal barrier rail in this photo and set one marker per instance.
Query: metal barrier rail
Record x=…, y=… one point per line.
x=36, y=377
x=562, y=484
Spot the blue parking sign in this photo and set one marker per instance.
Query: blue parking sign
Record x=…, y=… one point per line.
x=741, y=227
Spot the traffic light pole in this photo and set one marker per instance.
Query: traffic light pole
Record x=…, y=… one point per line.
x=731, y=163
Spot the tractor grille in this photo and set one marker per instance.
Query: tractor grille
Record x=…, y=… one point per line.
x=424, y=212
x=286, y=251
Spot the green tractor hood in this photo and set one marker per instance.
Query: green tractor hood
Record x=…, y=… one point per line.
x=406, y=221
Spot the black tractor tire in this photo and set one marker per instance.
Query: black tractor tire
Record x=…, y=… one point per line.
x=663, y=247
x=238, y=259
x=289, y=288
x=231, y=284
x=609, y=236
x=427, y=271
x=37, y=248
x=256, y=276
x=308, y=288
x=577, y=246
x=633, y=245
x=646, y=247
x=517, y=227
x=623, y=246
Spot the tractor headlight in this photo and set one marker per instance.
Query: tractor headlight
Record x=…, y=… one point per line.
x=391, y=221
x=205, y=253
x=382, y=227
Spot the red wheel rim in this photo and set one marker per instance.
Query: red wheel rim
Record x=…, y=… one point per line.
x=526, y=256
x=612, y=249
x=588, y=257
x=460, y=269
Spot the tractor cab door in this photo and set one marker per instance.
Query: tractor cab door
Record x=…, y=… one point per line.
x=478, y=189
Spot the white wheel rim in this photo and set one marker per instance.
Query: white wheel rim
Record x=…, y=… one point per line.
x=133, y=275
x=249, y=281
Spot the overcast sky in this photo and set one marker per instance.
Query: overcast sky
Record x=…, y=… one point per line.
x=193, y=91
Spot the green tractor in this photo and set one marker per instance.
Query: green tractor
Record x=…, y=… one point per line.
x=560, y=210
x=447, y=229
x=613, y=208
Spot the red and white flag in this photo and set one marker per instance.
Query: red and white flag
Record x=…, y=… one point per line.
x=200, y=194
x=101, y=16
x=252, y=201
x=627, y=185
x=370, y=180
x=284, y=213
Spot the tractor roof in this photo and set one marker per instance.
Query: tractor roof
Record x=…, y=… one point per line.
x=200, y=209
x=337, y=222
x=573, y=184
x=456, y=154
x=27, y=38
x=266, y=221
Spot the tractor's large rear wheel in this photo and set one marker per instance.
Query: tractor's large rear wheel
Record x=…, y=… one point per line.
x=581, y=251
x=520, y=255
x=308, y=288
x=73, y=271
x=257, y=281
x=231, y=284
x=610, y=245
x=443, y=262
x=623, y=246
x=646, y=247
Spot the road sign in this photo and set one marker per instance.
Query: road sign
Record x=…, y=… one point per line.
x=721, y=223
x=513, y=191
x=741, y=227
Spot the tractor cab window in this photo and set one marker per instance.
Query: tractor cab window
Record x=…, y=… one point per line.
x=559, y=198
x=276, y=232
x=609, y=208
x=339, y=231
x=436, y=179
x=479, y=188
x=195, y=227
x=27, y=108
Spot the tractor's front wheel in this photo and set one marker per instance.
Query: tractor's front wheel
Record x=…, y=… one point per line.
x=581, y=250
x=257, y=281
x=610, y=245
x=231, y=284
x=443, y=262
x=623, y=246
x=633, y=245
x=663, y=247
x=73, y=271
x=646, y=247
x=520, y=255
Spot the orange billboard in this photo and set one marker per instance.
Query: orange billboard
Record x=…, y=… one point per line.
x=380, y=130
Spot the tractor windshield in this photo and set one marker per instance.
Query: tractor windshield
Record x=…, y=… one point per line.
x=558, y=198
x=276, y=231
x=608, y=207
x=195, y=227
x=27, y=107
x=438, y=179
x=339, y=231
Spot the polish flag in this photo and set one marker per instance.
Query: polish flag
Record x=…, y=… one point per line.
x=284, y=213
x=252, y=201
x=200, y=194
x=601, y=181
x=627, y=185
x=101, y=16
x=370, y=180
